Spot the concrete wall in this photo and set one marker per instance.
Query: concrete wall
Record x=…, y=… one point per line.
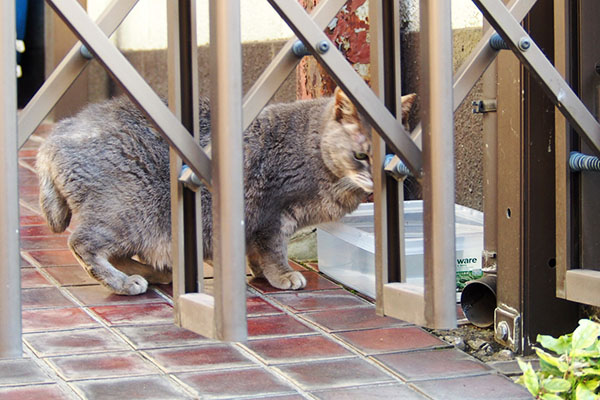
x=152, y=65
x=142, y=37
x=468, y=128
x=468, y=143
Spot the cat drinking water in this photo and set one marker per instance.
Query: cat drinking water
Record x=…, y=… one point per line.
x=305, y=163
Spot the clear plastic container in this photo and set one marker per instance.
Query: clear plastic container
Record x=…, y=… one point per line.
x=347, y=248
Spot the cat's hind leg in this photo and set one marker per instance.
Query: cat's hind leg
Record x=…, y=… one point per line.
x=268, y=258
x=130, y=266
x=92, y=248
x=253, y=262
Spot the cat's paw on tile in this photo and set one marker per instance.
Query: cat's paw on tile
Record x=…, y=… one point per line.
x=289, y=280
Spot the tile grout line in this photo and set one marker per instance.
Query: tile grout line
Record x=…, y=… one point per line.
x=265, y=366
x=24, y=204
x=334, y=339
x=370, y=358
x=96, y=318
x=53, y=374
x=45, y=360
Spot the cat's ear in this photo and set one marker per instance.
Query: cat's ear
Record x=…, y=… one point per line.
x=344, y=109
x=407, y=103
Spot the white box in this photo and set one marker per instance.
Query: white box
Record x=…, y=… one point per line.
x=346, y=248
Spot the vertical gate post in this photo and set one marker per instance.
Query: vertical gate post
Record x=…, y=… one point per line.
x=10, y=293
x=385, y=82
x=229, y=254
x=183, y=102
x=438, y=163
x=490, y=169
x=526, y=201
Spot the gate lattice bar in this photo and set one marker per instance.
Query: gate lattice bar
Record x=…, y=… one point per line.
x=138, y=90
x=282, y=65
x=353, y=85
x=186, y=246
x=66, y=72
x=534, y=59
x=476, y=63
x=10, y=267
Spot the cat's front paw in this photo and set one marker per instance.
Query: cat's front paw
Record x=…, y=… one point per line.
x=289, y=280
x=134, y=284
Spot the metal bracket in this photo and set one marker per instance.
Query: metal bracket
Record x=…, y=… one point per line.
x=507, y=327
x=497, y=43
x=300, y=50
x=189, y=179
x=484, y=106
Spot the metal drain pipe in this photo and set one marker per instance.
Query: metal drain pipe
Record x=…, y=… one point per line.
x=478, y=300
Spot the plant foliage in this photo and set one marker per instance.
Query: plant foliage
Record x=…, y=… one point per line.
x=571, y=371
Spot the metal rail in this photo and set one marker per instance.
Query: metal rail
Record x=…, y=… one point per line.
x=438, y=155
x=134, y=85
x=353, y=85
x=10, y=267
x=477, y=62
x=66, y=72
x=229, y=238
x=282, y=65
x=559, y=92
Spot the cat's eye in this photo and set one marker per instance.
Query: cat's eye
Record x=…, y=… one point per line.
x=360, y=156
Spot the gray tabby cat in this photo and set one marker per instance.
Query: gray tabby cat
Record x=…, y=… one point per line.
x=305, y=163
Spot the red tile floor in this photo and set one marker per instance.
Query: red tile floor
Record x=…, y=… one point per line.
x=82, y=342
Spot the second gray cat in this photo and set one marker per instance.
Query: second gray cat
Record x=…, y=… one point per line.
x=305, y=163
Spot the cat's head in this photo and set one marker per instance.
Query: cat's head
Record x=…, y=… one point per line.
x=346, y=143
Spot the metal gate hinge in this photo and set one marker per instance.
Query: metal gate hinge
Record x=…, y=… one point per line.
x=484, y=106
x=507, y=327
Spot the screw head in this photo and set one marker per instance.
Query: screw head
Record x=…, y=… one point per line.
x=502, y=330
x=323, y=46
x=85, y=53
x=524, y=43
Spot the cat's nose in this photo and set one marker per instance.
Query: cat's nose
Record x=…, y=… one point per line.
x=370, y=198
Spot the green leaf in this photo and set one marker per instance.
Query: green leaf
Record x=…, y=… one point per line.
x=553, y=361
x=530, y=379
x=585, y=335
x=591, y=371
x=590, y=352
x=550, y=396
x=583, y=393
x=592, y=384
x=556, y=385
x=561, y=345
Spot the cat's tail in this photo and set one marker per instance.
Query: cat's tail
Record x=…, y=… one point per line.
x=52, y=203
